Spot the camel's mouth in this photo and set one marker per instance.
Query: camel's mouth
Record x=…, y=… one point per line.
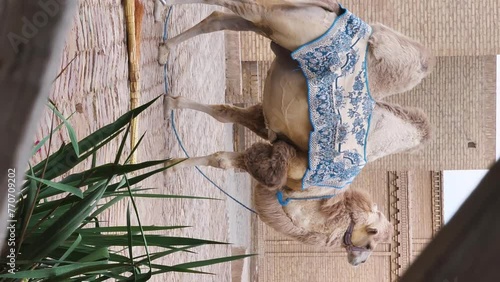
x=347, y=242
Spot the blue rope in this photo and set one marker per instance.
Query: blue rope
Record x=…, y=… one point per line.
x=177, y=136
x=285, y=202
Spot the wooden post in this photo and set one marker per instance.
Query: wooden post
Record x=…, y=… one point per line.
x=466, y=248
x=32, y=38
x=134, y=12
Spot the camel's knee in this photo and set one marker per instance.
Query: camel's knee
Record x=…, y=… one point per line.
x=219, y=160
x=224, y=113
x=226, y=160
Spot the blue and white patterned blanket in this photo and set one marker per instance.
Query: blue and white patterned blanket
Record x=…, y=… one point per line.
x=340, y=105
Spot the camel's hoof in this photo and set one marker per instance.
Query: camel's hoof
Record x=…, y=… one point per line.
x=160, y=7
x=171, y=102
x=163, y=52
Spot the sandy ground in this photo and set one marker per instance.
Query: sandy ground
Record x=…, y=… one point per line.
x=96, y=86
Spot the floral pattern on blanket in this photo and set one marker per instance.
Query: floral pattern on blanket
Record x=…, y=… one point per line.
x=340, y=104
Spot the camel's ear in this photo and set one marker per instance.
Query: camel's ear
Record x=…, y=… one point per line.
x=373, y=46
x=371, y=230
x=372, y=40
x=374, y=208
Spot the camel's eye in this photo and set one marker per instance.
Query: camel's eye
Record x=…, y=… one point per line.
x=368, y=247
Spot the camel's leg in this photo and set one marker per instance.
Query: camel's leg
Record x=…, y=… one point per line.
x=217, y=21
x=223, y=160
x=329, y=5
x=288, y=23
x=159, y=9
x=268, y=164
x=251, y=117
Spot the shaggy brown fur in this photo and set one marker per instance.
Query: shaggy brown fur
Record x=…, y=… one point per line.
x=269, y=164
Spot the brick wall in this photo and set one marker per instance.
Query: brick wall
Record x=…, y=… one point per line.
x=459, y=98
x=449, y=28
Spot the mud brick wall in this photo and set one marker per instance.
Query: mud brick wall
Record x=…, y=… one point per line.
x=449, y=28
x=459, y=98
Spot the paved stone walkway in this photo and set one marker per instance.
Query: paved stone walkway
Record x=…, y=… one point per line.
x=95, y=85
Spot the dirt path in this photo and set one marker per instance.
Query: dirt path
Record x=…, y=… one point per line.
x=96, y=86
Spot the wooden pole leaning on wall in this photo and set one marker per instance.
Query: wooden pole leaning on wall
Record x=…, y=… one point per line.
x=32, y=39
x=468, y=247
x=134, y=12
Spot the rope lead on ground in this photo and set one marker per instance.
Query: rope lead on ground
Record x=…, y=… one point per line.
x=165, y=37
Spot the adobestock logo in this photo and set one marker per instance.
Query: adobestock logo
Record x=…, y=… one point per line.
x=30, y=27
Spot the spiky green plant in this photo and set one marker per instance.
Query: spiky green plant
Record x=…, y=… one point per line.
x=58, y=235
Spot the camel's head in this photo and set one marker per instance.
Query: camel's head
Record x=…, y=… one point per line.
x=368, y=229
x=396, y=63
x=367, y=226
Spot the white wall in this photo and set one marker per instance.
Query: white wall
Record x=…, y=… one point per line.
x=498, y=107
x=458, y=184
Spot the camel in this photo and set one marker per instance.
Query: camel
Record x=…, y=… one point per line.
x=350, y=220
x=396, y=63
x=314, y=214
